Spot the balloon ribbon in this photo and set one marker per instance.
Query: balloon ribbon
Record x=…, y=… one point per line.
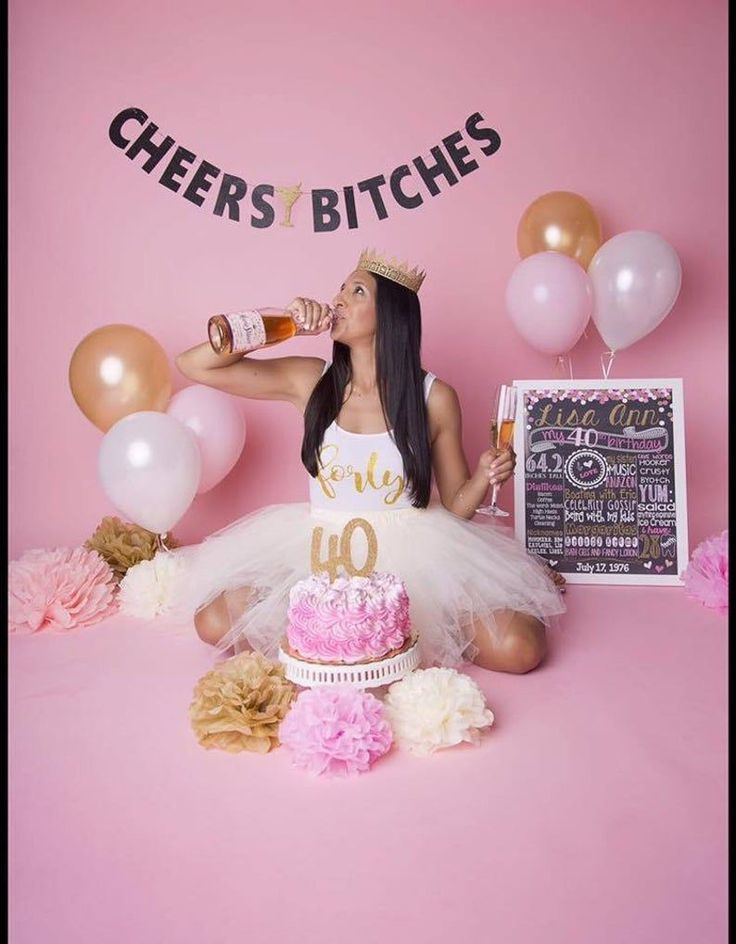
x=560, y=364
x=606, y=368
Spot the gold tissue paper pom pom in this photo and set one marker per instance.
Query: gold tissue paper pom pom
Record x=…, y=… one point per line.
x=123, y=545
x=239, y=705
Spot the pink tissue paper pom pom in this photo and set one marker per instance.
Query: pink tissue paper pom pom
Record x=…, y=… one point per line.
x=335, y=730
x=706, y=576
x=59, y=590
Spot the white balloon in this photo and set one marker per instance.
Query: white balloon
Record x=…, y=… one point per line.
x=149, y=466
x=636, y=279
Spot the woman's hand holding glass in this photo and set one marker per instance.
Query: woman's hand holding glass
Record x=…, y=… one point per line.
x=497, y=465
x=502, y=465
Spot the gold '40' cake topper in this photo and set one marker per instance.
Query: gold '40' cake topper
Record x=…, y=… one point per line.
x=340, y=550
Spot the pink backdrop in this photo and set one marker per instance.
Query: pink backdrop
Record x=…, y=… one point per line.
x=595, y=810
x=623, y=103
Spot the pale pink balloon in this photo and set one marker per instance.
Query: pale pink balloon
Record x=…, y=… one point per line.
x=636, y=279
x=218, y=425
x=149, y=468
x=549, y=298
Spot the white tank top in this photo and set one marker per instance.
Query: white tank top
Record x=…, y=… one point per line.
x=360, y=471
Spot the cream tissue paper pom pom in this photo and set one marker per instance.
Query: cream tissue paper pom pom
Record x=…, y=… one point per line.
x=147, y=589
x=430, y=709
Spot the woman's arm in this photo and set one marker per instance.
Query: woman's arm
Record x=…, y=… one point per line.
x=460, y=492
x=280, y=378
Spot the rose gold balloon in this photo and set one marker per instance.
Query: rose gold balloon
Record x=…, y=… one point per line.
x=117, y=370
x=562, y=222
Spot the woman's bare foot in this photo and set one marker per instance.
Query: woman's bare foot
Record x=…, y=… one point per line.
x=558, y=579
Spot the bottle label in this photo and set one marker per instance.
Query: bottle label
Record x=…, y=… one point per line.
x=248, y=330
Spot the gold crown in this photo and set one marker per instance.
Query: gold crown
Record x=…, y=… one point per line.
x=391, y=269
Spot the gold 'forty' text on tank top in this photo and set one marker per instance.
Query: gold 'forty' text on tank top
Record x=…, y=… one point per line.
x=330, y=471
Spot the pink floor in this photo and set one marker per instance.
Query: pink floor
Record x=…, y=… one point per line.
x=594, y=811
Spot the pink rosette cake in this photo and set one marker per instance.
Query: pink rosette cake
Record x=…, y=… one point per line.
x=348, y=621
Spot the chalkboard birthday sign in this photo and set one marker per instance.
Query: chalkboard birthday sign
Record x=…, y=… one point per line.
x=601, y=497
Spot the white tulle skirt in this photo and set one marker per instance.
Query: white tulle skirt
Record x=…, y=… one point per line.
x=458, y=574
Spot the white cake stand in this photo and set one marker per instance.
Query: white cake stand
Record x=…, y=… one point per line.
x=367, y=675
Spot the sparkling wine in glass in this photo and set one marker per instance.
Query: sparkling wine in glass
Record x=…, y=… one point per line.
x=502, y=434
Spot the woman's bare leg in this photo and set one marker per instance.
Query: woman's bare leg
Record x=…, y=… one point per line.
x=518, y=646
x=214, y=620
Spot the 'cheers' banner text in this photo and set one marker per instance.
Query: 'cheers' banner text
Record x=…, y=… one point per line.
x=199, y=181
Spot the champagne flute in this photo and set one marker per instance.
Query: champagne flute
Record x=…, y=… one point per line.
x=502, y=434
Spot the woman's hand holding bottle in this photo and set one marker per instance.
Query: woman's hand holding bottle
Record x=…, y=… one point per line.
x=311, y=317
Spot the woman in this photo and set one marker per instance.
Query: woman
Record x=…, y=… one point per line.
x=376, y=426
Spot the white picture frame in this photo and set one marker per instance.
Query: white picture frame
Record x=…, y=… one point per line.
x=598, y=391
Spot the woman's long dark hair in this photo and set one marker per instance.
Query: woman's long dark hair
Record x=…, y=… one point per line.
x=400, y=382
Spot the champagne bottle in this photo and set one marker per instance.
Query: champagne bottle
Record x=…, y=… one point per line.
x=242, y=331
